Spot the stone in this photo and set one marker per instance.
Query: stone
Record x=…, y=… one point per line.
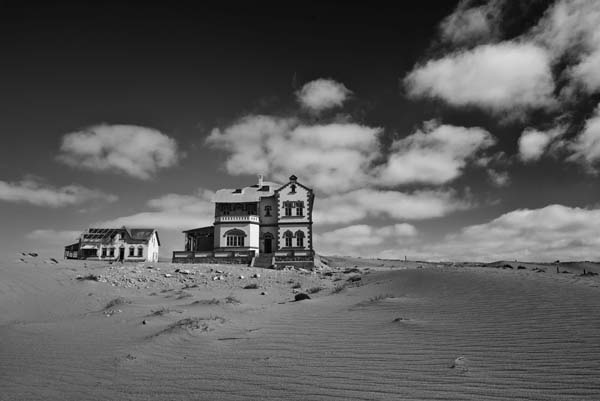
x=301, y=296
x=144, y=322
x=241, y=277
x=167, y=275
x=263, y=293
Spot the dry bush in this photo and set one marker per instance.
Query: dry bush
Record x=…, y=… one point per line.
x=232, y=300
x=213, y=301
x=116, y=302
x=251, y=286
x=314, y=290
x=337, y=289
x=380, y=297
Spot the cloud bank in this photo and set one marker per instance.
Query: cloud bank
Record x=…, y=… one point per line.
x=35, y=192
x=127, y=149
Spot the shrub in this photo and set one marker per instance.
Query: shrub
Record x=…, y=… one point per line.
x=337, y=289
x=251, y=286
x=116, y=302
x=232, y=300
x=314, y=290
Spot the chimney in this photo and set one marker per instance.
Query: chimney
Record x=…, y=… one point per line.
x=260, y=180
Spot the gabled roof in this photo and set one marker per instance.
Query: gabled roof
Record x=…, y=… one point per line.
x=131, y=235
x=252, y=193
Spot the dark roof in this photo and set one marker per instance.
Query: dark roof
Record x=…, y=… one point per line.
x=131, y=235
x=208, y=229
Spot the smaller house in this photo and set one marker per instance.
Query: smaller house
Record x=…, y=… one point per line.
x=116, y=244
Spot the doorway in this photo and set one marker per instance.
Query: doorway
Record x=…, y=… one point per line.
x=268, y=245
x=121, y=254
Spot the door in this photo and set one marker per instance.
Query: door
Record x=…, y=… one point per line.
x=121, y=253
x=268, y=245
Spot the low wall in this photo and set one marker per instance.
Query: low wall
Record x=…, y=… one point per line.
x=211, y=257
x=296, y=259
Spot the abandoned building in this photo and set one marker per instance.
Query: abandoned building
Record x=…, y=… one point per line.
x=116, y=244
x=266, y=224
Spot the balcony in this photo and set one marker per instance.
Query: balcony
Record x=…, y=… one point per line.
x=237, y=219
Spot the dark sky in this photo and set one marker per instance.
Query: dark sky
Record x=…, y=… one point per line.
x=183, y=69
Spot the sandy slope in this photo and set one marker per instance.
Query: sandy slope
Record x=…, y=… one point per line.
x=395, y=334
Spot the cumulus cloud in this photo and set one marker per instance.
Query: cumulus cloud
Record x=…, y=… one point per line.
x=435, y=154
x=469, y=24
x=533, y=143
x=501, y=78
x=362, y=203
x=35, y=192
x=331, y=157
x=361, y=238
x=128, y=149
x=322, y=94
x=586, y=146
x=569, y=29
x=545, y=234
x=171, y=212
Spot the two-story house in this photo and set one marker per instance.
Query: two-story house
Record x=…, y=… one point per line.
x=265, y=218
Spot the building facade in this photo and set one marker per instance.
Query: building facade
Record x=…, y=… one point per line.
x=262, y=219
x=116, y=244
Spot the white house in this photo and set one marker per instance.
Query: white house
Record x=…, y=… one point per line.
x=265, y=218
x=111, y=244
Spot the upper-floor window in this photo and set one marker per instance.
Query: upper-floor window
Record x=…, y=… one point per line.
x=299, y=210
x=288, y=210
x=267, y=210
x=293, y=189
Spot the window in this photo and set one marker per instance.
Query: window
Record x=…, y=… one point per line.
x=299, y=210
x=267, y=210
x=104, y=252
x=288, y=210
x=288, y=238
x=299, y=239
x=131, y=251
x=235, y=237
x=111, y=252
x=140, y=251
x=293, y=189
x=235, y=240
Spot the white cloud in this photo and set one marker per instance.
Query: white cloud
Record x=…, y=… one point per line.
x=358, y=239
x=54, y=237
x=362, y=203
x=586, y=146
x=331, y=157
x=36, y=193
x=545, y=234
x=136, y=151
x=498, y=178
x=472, y=24
x=507, y=77
x=533, y=143
x=322, y=94
x=570, y=30
x=435, y=154
x=171, y=212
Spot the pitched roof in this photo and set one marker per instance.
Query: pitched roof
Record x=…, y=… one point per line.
x=132, y=235
x=252, y=193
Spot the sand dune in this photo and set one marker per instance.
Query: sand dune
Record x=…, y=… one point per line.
x=431, y=333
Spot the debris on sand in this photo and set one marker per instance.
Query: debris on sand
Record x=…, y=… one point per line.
x=33, y=254
x=460, y=364
x=521, y=268
x=251, y=286
x=53, y=260
x=168, y=275
x=90, y=277
x=117, y=301
x=301, y=297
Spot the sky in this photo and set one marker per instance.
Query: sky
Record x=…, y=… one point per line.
x=436, y=130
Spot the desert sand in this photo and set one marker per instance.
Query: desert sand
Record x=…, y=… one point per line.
x=372, y=330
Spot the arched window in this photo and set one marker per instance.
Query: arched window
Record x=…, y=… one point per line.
x=140, y=251
x=300, y=239
x=235, y=237
x=131, y=251
x=288, y=235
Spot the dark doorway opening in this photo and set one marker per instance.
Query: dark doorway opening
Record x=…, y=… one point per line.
x=268, y=245
x=121, y=254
